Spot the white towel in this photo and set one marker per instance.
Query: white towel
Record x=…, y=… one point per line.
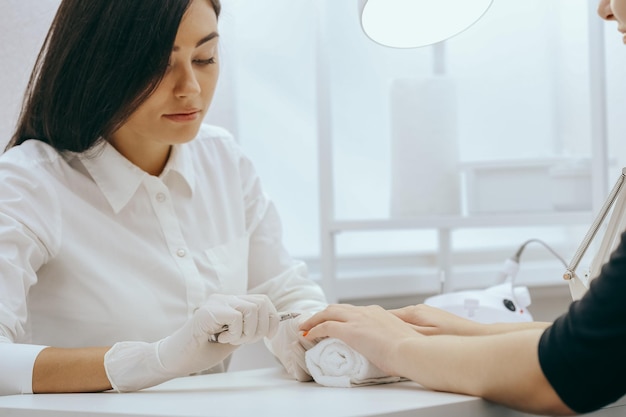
x=334, y=364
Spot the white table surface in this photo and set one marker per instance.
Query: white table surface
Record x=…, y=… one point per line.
x=259, y=392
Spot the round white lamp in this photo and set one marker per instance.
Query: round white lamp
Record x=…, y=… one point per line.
x=416, y=23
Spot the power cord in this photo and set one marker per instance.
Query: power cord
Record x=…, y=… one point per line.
x=511, y=265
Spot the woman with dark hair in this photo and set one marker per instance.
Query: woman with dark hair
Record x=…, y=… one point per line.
x=131, y=233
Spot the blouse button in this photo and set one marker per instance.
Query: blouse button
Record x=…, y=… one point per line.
x=160, y=197
x=181, y=253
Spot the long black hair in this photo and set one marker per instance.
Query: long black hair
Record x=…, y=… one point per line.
x=100, y=60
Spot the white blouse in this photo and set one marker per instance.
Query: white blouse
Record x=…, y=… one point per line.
x=94, y=250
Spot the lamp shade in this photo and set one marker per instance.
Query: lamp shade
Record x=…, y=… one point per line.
x=416, y=23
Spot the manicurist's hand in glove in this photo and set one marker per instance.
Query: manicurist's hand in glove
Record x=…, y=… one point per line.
x=131, y=366
x=290, y=346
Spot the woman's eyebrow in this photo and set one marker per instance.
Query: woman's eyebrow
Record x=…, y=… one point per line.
x=207, y=38
x=204, y=40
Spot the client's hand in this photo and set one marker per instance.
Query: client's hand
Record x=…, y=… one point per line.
x=132, y=366
x=371, y=331
x=431, y=320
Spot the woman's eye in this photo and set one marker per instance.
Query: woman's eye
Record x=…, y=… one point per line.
x=204, y=61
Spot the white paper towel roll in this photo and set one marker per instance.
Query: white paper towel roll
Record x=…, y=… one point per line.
x=424, y=164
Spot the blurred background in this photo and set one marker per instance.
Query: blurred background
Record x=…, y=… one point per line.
x=401, y=173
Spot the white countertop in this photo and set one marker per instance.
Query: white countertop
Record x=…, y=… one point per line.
x=258, y=392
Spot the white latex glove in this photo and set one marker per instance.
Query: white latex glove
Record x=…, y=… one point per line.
x=132, y=366
x=289, y=347
x=244, y=319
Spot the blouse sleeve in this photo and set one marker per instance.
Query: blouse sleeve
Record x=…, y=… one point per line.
x=29, y=222
x=582, y=353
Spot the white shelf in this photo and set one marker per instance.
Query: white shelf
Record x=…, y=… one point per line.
x=460, y=222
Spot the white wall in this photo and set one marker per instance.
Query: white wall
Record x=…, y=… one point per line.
x=24, y=26
x=521, y=71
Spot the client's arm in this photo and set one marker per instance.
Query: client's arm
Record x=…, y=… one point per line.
x=503, y=368
x=431, y=320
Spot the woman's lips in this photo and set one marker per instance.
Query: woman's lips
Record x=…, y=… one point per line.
x=183, y=117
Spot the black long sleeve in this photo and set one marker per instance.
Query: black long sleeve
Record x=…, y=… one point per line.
x=583, y=354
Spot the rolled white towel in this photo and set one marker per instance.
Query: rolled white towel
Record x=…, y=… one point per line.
x=334, y=364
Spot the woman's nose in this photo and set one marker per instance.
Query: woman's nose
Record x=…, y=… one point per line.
x=605, y=11
x=187, y=83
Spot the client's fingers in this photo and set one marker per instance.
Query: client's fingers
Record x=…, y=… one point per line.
x=334, y=312
x=405, y=313
x=324, y=329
